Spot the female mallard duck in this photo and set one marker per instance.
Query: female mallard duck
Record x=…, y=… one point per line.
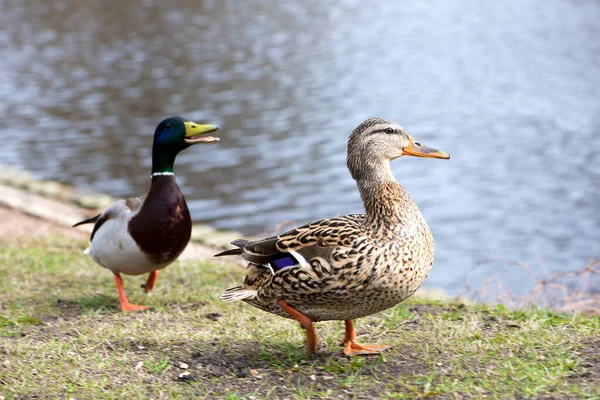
x=143, y=235
x=350, y=266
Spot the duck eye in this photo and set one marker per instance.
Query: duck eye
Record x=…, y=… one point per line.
x=417, y=144
x=389, y=130
x=168, y=126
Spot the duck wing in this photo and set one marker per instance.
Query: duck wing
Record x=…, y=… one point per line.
x=298, y=246
x=132, y=204
x=306, y=263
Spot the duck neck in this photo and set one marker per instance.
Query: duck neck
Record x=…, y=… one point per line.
x=387, y=203
x=162, y=163
x=164, y=198
x=163, y=225
x=163, y=185
x=162, y=160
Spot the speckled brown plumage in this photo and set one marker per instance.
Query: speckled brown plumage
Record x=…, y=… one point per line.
x=354, y=265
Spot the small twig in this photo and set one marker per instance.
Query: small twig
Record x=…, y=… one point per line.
x=571, y=290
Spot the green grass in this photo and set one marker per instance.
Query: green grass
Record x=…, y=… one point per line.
x=62, y=335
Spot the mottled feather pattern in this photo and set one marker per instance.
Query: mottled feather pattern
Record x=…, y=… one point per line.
x=365, y=272
x=324, y=233
x=358, y=264
x=238, y=293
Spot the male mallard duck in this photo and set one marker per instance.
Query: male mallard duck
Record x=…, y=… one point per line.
x=143, y=235
x=351, y=266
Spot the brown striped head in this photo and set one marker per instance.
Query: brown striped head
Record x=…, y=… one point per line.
x=376, y=142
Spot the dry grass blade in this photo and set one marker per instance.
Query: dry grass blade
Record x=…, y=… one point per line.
x=570, y=291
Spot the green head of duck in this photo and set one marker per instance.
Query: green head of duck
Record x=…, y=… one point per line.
x=173, y=135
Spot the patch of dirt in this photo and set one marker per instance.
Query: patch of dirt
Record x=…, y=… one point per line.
x=246, y=369
x=433, y=309
x=187, y=307
x=14, y=223
x=69, y=309
x=587, y=373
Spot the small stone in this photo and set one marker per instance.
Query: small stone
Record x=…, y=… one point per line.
x=34, y=372
x=139, y=365
x=254, y=372
x=327, y=378
x=183, y=365
x=141, y=347
x=251, y=397
x=313, y=378
x=185, y=376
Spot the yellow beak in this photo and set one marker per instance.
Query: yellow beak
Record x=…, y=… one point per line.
x=196, y=133
x=418, y=150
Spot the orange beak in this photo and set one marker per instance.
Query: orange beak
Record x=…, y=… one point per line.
x=418, y=150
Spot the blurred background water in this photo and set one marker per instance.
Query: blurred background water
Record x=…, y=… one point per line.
x=510, y=89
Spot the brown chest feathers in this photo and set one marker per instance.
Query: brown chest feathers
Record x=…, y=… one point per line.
x=373, y=262
x=163, y=226
x=390, y=211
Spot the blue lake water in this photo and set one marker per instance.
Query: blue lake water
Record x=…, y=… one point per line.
x=511, y=90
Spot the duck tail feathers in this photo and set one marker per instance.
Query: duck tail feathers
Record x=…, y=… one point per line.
x=238, y=293
x=87, y=221
x=232, y=252
x=240, y=243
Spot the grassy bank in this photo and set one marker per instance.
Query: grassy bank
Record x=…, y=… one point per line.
x=62, y=336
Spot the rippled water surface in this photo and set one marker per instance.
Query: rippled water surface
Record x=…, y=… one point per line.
x=510, y=90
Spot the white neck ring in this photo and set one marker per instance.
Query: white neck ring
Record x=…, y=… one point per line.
x=161, y=174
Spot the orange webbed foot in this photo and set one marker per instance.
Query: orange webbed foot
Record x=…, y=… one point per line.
x=150, y=282
x=125, y=304
x=128, y=307
x=354, y=349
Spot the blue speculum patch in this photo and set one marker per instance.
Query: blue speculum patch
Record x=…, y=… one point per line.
x=283, y=262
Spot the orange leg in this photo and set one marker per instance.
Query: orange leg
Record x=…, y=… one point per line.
x=151, y=281
x=352, y=348
x=125, y=304
x=305, y=322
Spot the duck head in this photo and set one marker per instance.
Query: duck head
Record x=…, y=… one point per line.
x=376, y=142
x=173, y=135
